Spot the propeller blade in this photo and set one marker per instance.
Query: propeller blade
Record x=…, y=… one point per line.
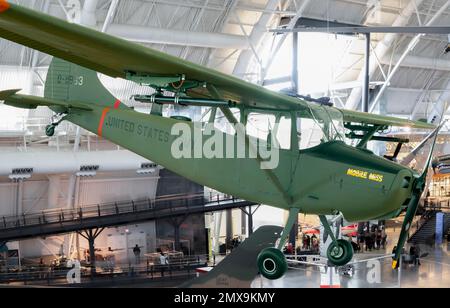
x=433, y=146
x=408, y=159
x=415, y=200
x=410, y=213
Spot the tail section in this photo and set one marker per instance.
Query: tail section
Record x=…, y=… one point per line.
x=69, y=82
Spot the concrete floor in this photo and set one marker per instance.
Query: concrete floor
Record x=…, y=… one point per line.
x=433, y=273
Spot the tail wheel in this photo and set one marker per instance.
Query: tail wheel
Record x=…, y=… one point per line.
x=340, y=253
x=50, y=130
x=272, y=264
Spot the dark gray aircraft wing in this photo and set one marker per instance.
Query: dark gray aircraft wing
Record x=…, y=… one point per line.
x=239, y=269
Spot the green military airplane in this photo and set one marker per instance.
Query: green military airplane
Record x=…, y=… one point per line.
x=327, y=179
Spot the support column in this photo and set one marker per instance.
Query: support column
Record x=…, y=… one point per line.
x=176, y=223
x=76, y=205
x=293, y=235
x=91, y=235
x=54, y=187
x=229, y=228
x=250, y=212
x=18, y=176
x=19, y=198
x=177, y=237
x=250, y=221
x=365, y=99
x=19, y=212
x=217, y=231
x=295, y=80
x=440, y=223
x=243, y=223
x=91, y=241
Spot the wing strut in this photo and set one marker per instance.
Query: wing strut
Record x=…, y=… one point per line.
x=232, y=119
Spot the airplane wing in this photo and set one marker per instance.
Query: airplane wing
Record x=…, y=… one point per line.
x=367, y=118
x=119, y=58
x=11, y=98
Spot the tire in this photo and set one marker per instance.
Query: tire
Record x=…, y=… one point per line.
x=272, y=264
x=340, y=253
x=50, y=131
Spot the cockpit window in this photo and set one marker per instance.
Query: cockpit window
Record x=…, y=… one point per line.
x=318, y=125
x=276, y=130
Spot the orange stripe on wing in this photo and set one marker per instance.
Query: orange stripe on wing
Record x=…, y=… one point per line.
x=4, y=6
x=102, y=121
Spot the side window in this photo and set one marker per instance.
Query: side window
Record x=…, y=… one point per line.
x=260, y=125
x=221, y=122
x=283, y=132
x=276, y=130
x=310, y=133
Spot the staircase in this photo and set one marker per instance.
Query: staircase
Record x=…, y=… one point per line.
x=426, y=233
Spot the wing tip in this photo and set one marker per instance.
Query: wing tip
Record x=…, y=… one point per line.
x=4, y=6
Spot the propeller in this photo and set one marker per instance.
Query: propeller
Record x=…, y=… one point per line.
x=418, y=189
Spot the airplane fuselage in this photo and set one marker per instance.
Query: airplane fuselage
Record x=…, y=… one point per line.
x=332, y=177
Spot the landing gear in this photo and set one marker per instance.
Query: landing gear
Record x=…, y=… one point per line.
x=50, y=130
x=56, y=120
x=272, y=263
x=340, y=252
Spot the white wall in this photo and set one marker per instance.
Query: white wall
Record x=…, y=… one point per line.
x=93, y=191
x=39, y=195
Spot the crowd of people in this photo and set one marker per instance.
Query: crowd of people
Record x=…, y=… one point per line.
x=374, y=238
x=310, y=243
x=369, y=240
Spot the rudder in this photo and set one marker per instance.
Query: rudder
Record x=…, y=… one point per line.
x=73, y=83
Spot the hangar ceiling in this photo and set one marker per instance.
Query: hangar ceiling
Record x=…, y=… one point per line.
x=231, y=36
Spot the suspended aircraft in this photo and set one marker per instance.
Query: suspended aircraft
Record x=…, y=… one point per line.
x=329, y=178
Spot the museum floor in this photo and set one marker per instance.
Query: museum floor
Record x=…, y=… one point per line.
x=434, y=272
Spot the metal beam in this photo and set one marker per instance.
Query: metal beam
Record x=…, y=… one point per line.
x=281, y=41
x=255, y=39
x=382, y=49
x=429, y=63
x=365, y=30
x=410, y=47
x=151, y=35
x=365, y=101
x=88, y=13
x=295, y=63
x=441, y=107
x=111, y=12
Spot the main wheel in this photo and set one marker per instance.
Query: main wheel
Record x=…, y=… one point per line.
x=340, y=253
x=50, y=130
x=272, y=263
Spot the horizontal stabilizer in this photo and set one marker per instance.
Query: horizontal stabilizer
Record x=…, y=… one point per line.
x=11, y=98
x=5, y=94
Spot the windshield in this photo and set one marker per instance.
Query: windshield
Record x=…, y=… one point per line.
x=320, y=124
